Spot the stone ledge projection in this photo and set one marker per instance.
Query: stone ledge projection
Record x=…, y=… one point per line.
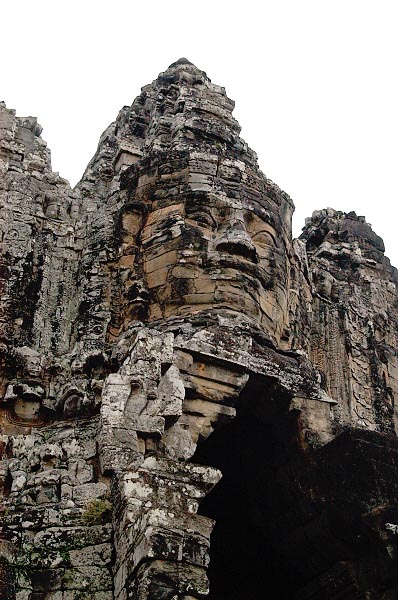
x=193, y=405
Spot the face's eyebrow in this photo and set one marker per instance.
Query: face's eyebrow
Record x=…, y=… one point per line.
x=268, y=232
x=138, y=207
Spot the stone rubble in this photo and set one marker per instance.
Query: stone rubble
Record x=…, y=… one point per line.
x=181, y=382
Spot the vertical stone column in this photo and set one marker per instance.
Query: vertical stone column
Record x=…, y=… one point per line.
x=161, y=543
x=7, y=588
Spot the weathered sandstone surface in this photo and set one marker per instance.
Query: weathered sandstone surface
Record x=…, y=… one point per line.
x=193, y=405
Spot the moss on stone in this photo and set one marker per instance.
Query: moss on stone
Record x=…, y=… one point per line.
x=97, y=512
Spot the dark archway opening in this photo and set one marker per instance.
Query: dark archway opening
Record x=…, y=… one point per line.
x=295, y=521
x=252, y=452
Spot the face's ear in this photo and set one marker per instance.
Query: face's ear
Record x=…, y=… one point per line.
x=131, y=222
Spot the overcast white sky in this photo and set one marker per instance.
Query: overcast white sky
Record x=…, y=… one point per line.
x=314, y=81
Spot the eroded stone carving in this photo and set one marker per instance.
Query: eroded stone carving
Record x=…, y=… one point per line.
x=159, y=327
x=356, y=295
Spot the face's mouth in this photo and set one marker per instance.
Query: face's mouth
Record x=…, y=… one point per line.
x=217, y=260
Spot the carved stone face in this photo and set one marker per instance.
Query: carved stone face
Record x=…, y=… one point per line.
x=203, y=250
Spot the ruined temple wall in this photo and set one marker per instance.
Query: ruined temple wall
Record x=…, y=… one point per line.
x=55, y=537
x=39, y=247
x=353, y=339
x=56, y=525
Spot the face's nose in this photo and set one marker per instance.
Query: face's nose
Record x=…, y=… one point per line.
x=233, y=239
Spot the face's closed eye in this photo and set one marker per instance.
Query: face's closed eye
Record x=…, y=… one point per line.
x=163, y=225
x=201, y=218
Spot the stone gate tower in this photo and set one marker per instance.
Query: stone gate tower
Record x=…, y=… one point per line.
x=193, y=405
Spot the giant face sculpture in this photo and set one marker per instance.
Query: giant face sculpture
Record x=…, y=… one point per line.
x=192, y=241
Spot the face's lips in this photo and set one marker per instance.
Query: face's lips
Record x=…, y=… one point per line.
x=219, y=260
